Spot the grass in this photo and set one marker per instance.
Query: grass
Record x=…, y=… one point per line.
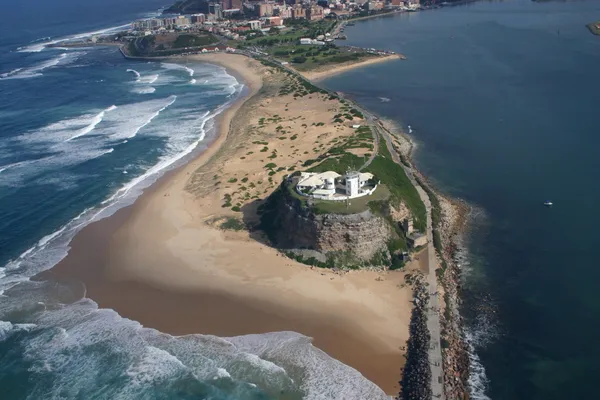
x=340, y=164
x=401, y=188
x=354, y=206
x=233, y=224
x=186, y=40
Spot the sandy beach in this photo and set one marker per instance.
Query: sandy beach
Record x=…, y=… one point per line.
x=166, y=263
x=329, y=71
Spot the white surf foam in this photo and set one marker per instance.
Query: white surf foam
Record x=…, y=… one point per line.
x=221, y=373
x=172, y=66
x=36, y=70
x=137, y=74
x=144, y=90
x=193, y=81
x=172, y=100
x=478, y=380
x=150, y=79
x=96, y=120
x=148, y=355
x=156, y=366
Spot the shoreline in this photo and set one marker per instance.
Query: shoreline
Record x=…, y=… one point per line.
x=125, y=257
x=452, y=226
x=122, y=289
x=327, y=72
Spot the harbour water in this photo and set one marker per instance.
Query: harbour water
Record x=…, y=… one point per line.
x=502, y=101
x=82, y=132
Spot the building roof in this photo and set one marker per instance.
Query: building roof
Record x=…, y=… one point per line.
x=312, y=179
x=365, y=176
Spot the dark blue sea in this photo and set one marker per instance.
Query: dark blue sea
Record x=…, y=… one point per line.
x=502, y=98
x=82, y=132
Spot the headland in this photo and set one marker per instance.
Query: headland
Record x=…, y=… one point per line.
x=181, y=261
x=196, y=253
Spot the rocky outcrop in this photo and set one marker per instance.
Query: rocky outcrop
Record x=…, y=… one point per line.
x=347, y=239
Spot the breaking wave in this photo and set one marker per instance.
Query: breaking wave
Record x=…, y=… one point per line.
x=36, y=70
x=96, y=120
x=62, y=334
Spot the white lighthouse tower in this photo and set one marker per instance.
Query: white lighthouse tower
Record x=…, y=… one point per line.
x=352, y=183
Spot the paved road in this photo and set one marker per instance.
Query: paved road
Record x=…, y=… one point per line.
x=433, y=317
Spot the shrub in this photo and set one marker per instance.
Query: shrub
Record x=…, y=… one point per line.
x=233, y=224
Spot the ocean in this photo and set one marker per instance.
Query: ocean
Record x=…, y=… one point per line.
x=502, y=99
x=82, y=132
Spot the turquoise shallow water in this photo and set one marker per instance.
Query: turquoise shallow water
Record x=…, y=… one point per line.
x=502, y=98
x=82, y=132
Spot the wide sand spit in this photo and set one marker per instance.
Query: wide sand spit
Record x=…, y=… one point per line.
x=165, y=262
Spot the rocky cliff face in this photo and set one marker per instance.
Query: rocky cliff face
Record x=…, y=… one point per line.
x=348, y=238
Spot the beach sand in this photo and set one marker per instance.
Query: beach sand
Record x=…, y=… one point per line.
x=164, y=261
x=328, y=71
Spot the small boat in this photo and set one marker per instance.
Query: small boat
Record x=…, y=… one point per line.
x=548, y=203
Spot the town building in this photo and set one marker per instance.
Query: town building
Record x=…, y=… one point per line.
x=283, y=11
x=314, y=13
x=298, y=12
x=198, y=18
x=231, y=5
x=265, y=9
x=330, y=185
x=216, y=9
x=415, y=239
x=254, y=25
x=273, y=21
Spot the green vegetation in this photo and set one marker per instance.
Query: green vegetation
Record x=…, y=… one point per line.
x=310, y=57
x=401, y=188
x=168, y=44
x=347, y=161
x=233, y=224
x=355, y=206
x=292, y=36
x=232, y=180
x=187, y=40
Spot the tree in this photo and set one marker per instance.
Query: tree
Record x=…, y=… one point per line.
x=299, y=60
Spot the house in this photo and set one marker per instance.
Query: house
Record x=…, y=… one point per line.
x=254, y=25
x=305, y=41
x=330, y=185
x=417, y=239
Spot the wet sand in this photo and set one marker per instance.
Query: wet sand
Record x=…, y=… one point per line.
x=160, y=263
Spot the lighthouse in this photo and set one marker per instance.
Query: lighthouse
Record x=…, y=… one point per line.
x=352, y=183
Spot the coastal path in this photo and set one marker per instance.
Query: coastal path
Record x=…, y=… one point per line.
x=433, y=317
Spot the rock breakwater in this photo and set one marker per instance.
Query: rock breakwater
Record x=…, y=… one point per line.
x=416, y=377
